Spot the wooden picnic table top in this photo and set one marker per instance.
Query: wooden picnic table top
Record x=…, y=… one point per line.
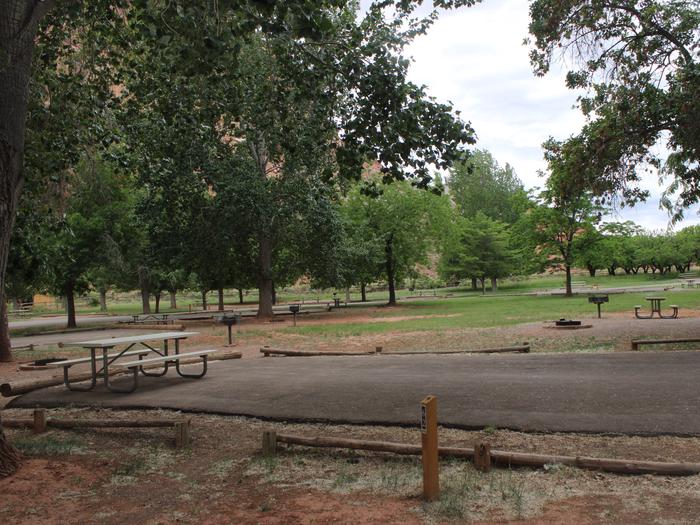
x=108, y=343
x=655, y=298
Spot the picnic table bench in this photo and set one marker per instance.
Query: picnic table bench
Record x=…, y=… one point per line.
x=107, y=358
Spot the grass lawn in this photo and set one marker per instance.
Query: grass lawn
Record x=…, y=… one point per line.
x=489, y=310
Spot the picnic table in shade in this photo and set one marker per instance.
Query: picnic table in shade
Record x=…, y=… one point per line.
x=146, y=344
x=656, y=309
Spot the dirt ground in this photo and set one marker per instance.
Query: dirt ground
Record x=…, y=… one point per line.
x=137, y=476
x=115, y=476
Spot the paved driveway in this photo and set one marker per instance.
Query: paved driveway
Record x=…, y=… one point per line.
x=640, y=392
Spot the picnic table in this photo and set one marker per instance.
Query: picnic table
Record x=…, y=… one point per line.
x=145, y=343
x=656, y=309
x=151, y=318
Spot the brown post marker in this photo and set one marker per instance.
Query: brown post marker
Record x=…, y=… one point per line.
x=482, y=456
x=39, y=420
x=429, y=441
x=269, y=443
x=182, y=433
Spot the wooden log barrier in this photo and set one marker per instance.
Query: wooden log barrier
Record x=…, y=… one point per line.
x=269, y=443
x=524, y=348
x=504, y=458
x=39, y=423
x=266, y=351
x=636, y=343
x=482, y=457
x=17, y=388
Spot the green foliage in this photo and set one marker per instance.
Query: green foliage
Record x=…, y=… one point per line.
x=638, y=63
x=479, y=185
x=398, y=224
x=480, y=249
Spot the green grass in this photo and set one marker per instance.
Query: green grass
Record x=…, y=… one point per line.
x=492, y=310
x=48, y=445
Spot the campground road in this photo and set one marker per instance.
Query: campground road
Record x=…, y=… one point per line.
x=627, y=392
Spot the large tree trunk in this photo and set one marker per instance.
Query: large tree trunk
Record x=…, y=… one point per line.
x=475, y=285
x=145, y=289
x=173, y=300
x=391, y=269
x=103, y=299
x=363, y=292
x=18, y=23
x=5, y=346
x=494, y=284
x=265, y=285
x=70, y=304
x=157, y=298
x=240, y=296
x=591, y=270
x=205, y=306
x=221, y=299
x=569, y=292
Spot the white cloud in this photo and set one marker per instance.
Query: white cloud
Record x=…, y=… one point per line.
x=475, y=58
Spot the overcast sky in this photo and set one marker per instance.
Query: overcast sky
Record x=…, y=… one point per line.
x=475, y=58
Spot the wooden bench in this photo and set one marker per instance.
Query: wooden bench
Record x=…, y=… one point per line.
x=136, y=366
x=636, y=343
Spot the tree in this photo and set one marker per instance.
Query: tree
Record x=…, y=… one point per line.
x=94, y=221
x=639, y=62
x=566, y=209
x=400, y=222
x=480, y=250
x=479, y=185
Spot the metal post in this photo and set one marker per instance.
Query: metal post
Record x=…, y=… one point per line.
x=598, y=304
x=230, y=340
x=429, y=442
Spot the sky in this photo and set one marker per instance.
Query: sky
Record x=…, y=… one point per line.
x=475, y=58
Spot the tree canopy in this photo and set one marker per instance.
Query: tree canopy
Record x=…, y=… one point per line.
x=638, y=62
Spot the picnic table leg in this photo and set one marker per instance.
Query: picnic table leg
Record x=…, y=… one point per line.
x=165, y=367
x=193, y=376
x=93, y=381
x=128, y=390
x=674, y=314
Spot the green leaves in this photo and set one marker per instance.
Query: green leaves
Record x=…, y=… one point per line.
x=638, y=61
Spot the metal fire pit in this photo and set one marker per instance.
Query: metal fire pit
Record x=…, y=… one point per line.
x=567, y=322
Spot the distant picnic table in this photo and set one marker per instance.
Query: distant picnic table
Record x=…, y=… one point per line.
x=151, y=318
x=656, y=309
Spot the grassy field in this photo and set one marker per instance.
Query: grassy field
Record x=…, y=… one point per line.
x=488, y=311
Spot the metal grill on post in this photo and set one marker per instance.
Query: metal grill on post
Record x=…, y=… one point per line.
x=598, y=300
x=229, y=321
x=294, y=308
